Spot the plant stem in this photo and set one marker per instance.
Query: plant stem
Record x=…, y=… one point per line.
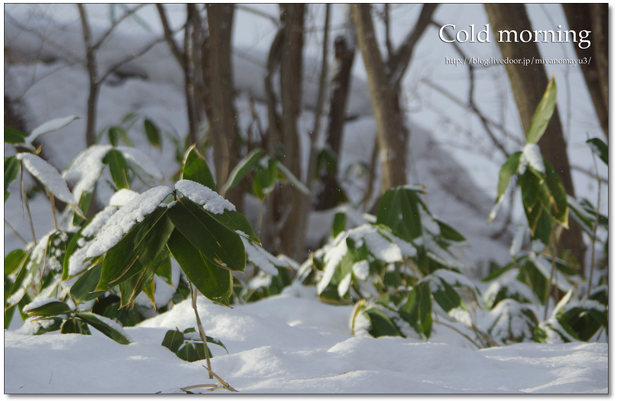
x=25, y=198
x=200, y=329
x=553, y=270
x=51, y=195
x=458, y=331
x=598, y=209
x=15, y=232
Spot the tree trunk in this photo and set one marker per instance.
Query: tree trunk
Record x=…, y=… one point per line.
x=385, y=101
x=344, y=49
x=218, y=75
x=593, y=18
x=292, y=15
x=93, y=79
x=528, y=86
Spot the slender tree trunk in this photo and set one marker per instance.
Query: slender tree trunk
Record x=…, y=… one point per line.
x=344, y=49
x=222, y=91
x=385, y=101
x=93, y=79
x=292, y=15
x=528, y=86
x=593, y=18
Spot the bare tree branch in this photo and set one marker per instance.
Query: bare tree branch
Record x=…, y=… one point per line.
x=115, y=24
x=398, y=63
x=169, y=36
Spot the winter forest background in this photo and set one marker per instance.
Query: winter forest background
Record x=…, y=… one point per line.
x=364, y=154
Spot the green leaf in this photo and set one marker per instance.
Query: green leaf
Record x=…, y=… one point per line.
x=449, y=233
x=409, y=310
x=447, y=297
x=13, y=136
x=164, y=271
x=216, y=242
x=265, y=178
x=173, y=340
x=242, y=168
x=113, y=135
x=507, y=171
x=11, y=169
x=22, y=281
x=293, y=180
x=235, y=221
x=118, y=169
x=46, y=325
x=339, y=224
x=410, y=226
x=84, y=288
x=543, y=228
x=138, y=248
x=212, y=281
x=132, y=287
x=425, y=309
x=389, y=209
x=100, y=323
x=195, y=168
x=381, y=325
x=498, y=272
x=599, y=148
x=559, y=209
x=543, y=114
x=75, y=326
x=14, y=261
x=83, y=204
x=152, y=133
x=50, y=309
x=192, y=352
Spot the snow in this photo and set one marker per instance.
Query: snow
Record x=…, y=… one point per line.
x=122, y=197
x=204, y=196
x=48, y=176
x=49, y=126
x=292, y=343
x=261, y=258
x=86, y=169
x=122, y=221
x=531, y=156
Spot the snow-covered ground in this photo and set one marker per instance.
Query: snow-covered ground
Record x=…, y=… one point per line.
x=289, y=343
x=292, y=343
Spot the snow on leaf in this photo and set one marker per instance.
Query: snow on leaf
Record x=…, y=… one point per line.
x=517, y=241
x=544, y=266
x=48, y=176
x=377, y=244
x=49, y=126
x=344, y=284
x=531, y=156
x=38, y=303
x=86, y=169
x=122, y=221
x=261, y=258
x=122, y=197
x=210, y=200
x=332, y=258
x=361, y=269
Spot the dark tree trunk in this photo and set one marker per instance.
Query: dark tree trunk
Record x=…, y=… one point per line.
x=344, y=49
x=292, y=15
x=593, y=18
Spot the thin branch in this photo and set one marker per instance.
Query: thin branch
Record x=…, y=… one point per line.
x=398, y=64
x=132, y=57
x=169, y=36
x=15, y=232
x=598, y=209
x=589, y=174
x=200, y=329
x=459, y=102
x=114, y=25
